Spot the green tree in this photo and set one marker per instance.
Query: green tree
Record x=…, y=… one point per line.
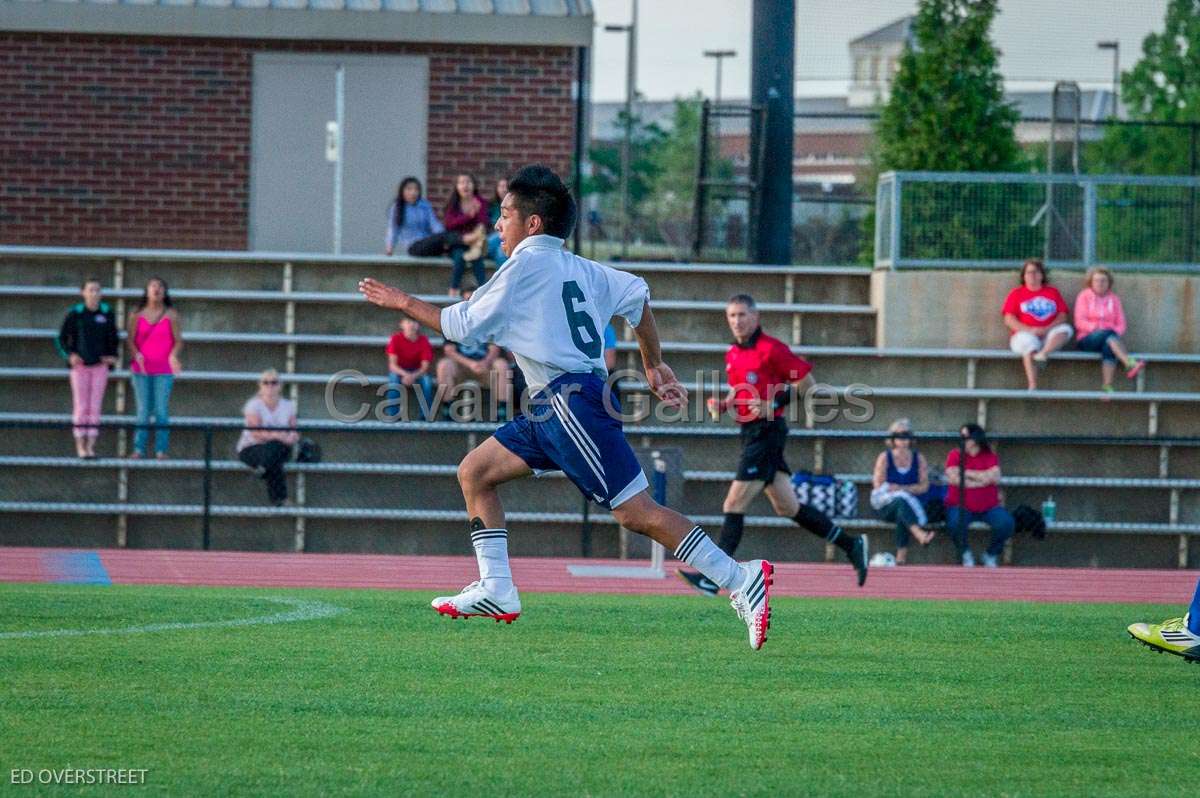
x=605, y=156
x=670, y=204
x=1142, y=223
x=947, y=113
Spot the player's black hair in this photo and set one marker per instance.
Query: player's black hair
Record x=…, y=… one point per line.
x=742, y=299
x=975, y=432
x=536, y=190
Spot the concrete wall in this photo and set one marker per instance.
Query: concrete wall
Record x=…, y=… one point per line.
x=953, y=309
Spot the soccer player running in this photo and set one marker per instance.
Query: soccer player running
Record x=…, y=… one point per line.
x=763, y=377
x=1180, y=636
x=548, y=307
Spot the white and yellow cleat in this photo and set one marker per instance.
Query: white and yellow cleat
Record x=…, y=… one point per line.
x=1171, y=636
x=752, y=601
x=476, y=601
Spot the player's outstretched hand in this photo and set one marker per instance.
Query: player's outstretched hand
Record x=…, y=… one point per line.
x=378, y=293
x=665, y=385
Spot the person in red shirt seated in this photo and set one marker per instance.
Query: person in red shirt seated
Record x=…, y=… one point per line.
x=982, y=500
x=1036, y=316
x=409, y=358
x=763, y=377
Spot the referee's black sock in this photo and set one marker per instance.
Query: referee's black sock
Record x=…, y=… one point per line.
x=731, y=532
x=819, y=524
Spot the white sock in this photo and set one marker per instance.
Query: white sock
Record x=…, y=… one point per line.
x=698, y=551
x=491, y=552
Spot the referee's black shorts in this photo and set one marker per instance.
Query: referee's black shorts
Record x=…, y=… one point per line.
x=762, y=451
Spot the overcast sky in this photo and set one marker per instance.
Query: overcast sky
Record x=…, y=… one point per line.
x=1041, y=41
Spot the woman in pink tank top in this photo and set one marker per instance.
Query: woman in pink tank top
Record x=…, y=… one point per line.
x=154, y=345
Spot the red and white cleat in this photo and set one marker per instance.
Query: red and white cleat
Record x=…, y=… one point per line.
x=475, y=601
x=752, y=601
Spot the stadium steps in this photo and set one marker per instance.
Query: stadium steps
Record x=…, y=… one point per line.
x=311, y=319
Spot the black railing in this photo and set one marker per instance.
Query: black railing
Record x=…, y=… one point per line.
x=209, y=429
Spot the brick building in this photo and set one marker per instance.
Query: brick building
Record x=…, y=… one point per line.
x=215, y=124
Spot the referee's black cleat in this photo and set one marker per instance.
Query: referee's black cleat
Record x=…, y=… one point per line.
x=699, y=581
x=858, y=558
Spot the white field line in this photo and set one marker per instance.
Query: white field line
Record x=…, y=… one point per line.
x=301, y=611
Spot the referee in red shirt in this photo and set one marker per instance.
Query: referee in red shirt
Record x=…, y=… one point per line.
x=763, y=376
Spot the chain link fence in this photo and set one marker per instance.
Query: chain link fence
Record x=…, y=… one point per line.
x=834, y=182
x=953, y=219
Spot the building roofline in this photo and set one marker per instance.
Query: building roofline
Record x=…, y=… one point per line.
x=900, y=23
x=292, y=24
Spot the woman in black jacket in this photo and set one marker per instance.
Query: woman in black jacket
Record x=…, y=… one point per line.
x=88, y=342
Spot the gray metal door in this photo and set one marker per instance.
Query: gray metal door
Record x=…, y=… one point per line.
x=383, y=138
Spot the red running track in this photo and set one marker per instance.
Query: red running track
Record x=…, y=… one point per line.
x=254, y=569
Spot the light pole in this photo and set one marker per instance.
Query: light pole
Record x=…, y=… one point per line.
x=1115, y=46
x=719, y=55
x=627, y=144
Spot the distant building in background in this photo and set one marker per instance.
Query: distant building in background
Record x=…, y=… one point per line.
x=875, y=57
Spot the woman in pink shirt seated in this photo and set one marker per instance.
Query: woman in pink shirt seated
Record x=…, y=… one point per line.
x=1099, y=325
x=1036, y=316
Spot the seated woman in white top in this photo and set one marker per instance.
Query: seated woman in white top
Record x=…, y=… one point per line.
x=900, y=478
x=266, y=450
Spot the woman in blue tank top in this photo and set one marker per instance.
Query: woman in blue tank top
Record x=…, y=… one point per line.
x=901, y=476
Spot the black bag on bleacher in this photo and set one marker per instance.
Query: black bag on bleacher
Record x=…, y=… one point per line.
x=1027, y=519
x=309, y=451
x=837, y=498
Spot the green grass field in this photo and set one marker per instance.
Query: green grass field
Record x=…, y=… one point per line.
x=591, y=695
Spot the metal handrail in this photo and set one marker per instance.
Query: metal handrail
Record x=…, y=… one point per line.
x=399, y=514
x=631, y=386
x=441, y=470
x=324, y=339
x=280, y=258
x=11, y=420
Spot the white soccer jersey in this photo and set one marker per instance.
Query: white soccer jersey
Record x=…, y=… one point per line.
x=548, y=307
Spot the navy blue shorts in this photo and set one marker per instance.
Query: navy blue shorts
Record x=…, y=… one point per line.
x=568, y=428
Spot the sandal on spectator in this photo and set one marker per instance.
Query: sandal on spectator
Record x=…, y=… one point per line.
x=1135, y=369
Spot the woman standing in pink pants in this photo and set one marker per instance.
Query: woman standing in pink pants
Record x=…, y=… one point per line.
x=88, y=342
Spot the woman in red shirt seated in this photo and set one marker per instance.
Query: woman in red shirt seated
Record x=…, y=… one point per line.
x=982, y=499
x=1036, y=316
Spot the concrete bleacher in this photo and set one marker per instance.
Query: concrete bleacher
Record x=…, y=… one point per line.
x=391, y=487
